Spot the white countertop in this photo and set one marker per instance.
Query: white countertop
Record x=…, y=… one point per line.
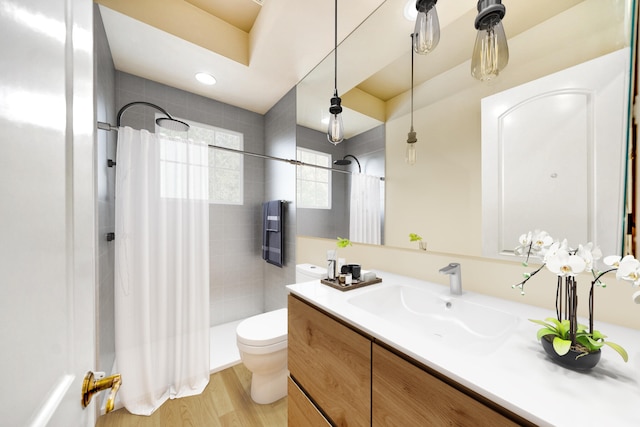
x=518, y=374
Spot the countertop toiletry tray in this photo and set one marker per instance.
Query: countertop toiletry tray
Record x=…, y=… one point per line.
x=355, y=285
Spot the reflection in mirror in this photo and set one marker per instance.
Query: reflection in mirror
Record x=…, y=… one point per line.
x=440, y=197
x=573, y=114
x=333, y=219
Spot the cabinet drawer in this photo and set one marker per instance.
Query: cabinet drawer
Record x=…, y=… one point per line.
x=332, y=363
x=405, y=395
x=301, y=411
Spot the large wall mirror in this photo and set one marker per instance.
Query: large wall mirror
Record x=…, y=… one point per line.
x=441, y=196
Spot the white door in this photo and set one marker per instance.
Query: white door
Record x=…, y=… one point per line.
x=47, y=213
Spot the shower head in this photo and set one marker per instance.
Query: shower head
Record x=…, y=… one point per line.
x=165, y=122
x=172, y=124
x=344, y=162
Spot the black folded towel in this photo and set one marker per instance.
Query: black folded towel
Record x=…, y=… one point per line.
x=273, y=233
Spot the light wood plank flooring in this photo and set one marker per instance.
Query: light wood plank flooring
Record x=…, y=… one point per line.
x=225, y=402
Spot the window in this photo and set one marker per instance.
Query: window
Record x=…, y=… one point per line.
x=313, y=185
x=226, y=169
x=183, y=169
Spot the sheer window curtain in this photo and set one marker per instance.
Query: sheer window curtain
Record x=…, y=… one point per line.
x=161, y=268
x=364, y=212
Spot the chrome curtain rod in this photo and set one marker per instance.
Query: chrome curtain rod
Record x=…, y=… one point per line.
x=110, y=127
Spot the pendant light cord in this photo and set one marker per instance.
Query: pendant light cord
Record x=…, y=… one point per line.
x=413, y=35
x=335, y=50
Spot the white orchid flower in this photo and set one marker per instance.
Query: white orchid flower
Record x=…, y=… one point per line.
x=589, y=254
x=612, y=260
x=629, y=270
x=541, y=241
x=564, y=264
x=555, y=248
x=534, y=243
x=525, y=241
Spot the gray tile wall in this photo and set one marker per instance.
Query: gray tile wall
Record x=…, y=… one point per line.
x=105, y=181
x=280, y=138
x=236, y=275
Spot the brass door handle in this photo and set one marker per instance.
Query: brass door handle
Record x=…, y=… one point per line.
x=91, y=386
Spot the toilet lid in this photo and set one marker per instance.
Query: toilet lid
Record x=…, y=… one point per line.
x=263, y=329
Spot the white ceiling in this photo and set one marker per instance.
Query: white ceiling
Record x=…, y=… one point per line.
x=287, y=38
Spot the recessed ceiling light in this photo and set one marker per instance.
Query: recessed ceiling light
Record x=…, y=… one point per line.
x=206, y=79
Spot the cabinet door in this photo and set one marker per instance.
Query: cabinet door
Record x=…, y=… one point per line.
x=300, y=410
x=405, y=395
x=332, y=363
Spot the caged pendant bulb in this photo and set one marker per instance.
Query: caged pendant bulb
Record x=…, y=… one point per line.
x=335, y=131
x=427, y=27
x=490, y=52
x=411, y=155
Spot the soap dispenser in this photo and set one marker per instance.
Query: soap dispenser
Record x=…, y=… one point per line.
x=331, y=264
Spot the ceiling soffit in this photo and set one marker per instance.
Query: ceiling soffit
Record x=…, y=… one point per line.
x=239, y=13
x=188, y=22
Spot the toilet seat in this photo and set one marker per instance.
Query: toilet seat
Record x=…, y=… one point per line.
x=263, y=333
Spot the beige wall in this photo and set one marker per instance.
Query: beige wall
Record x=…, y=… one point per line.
x=613, y=304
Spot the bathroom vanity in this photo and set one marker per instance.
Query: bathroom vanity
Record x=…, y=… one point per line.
x=357, y=359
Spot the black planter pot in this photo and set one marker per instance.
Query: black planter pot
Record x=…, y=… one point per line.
x=572, y=360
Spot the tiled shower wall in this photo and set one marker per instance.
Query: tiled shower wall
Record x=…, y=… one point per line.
x=236, y=277
x=280, y=184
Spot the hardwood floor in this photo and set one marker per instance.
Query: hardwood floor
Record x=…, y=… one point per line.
x=225, y=402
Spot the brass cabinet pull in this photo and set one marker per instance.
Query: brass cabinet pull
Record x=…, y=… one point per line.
x=91, y=386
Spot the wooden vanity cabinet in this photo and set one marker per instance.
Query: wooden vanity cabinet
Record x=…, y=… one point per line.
x=331, y=363
x=405, y=395
x=342, y=377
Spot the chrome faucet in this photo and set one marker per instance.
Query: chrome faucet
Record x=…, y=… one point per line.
x=455, y=279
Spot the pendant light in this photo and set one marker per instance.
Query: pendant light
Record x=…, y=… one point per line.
x=411, y=154
x=490, y=53
x=335, y=132
x=427, y=29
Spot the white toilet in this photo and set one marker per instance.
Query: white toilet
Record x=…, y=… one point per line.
x=262, y=342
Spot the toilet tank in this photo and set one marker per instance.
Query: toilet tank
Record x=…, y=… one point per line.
x=309, y=272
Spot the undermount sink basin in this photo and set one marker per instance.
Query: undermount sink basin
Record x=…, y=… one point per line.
x=451, y=320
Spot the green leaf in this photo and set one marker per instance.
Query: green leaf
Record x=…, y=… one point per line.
x=589, y=342
x=561, y=346
x=554, y=321
x=562, y=327
x=413, y=237
x=546, y=331
x=542, y=323
x=343, y=243
x=621, y=351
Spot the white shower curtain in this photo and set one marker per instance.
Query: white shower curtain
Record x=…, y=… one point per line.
x=161, y=269
x=364, y=212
